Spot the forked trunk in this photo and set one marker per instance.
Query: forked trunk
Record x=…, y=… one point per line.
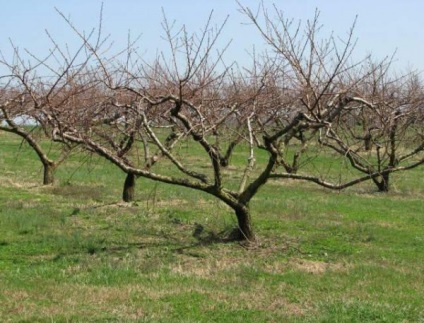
x=129, y=188
x=245, y=231
x=383, y=183
x=48, y=177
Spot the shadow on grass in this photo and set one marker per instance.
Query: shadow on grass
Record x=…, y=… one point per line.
x=172, y=243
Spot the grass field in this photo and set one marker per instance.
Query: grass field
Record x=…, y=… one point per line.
x=73, y=252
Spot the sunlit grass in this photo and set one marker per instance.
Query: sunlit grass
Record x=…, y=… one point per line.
x=75, y=252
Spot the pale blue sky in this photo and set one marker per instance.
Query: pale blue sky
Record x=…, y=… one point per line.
x=383, y=25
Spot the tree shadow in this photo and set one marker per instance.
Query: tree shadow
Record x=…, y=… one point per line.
x=207, y=237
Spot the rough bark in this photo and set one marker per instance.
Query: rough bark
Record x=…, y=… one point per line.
x=48, y=175
x=368, y=142
x=129, y=188
x=383, y=183
x=245, y=231
x=224, y=161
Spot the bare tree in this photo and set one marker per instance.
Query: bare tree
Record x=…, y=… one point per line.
x=190, y=91
x=292, y=101
x=359, y=102
x=384, y=133
x=19, y=115
x=36, y=91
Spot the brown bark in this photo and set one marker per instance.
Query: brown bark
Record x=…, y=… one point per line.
x=368, y=142
x=129, y=188
x=48, y=173
x=224, y=161
x=383, y=183
x=245, y=231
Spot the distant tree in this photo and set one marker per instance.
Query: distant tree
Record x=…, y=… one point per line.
x=17, y=117
x=35, y=91
x=384, y=133
x=372, y=118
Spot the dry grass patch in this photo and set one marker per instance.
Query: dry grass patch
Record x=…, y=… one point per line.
x=27, y=184
x=262, y=299
x=69, y=300
x=386, y=224
x=207, y=268
x=318, y=267
x=287, y=307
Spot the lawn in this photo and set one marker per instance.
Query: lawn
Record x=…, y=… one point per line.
x=73, y=252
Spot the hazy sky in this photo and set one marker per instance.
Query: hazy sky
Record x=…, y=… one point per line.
x=383, y=26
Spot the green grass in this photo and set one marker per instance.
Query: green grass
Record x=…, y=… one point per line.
x=73, y=252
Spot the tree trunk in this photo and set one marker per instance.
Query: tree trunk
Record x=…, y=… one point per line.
x=129, y=187
x=48, y=177
x=245, y=231
x=225, y=160
x=383, y=184
x=368, y=142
